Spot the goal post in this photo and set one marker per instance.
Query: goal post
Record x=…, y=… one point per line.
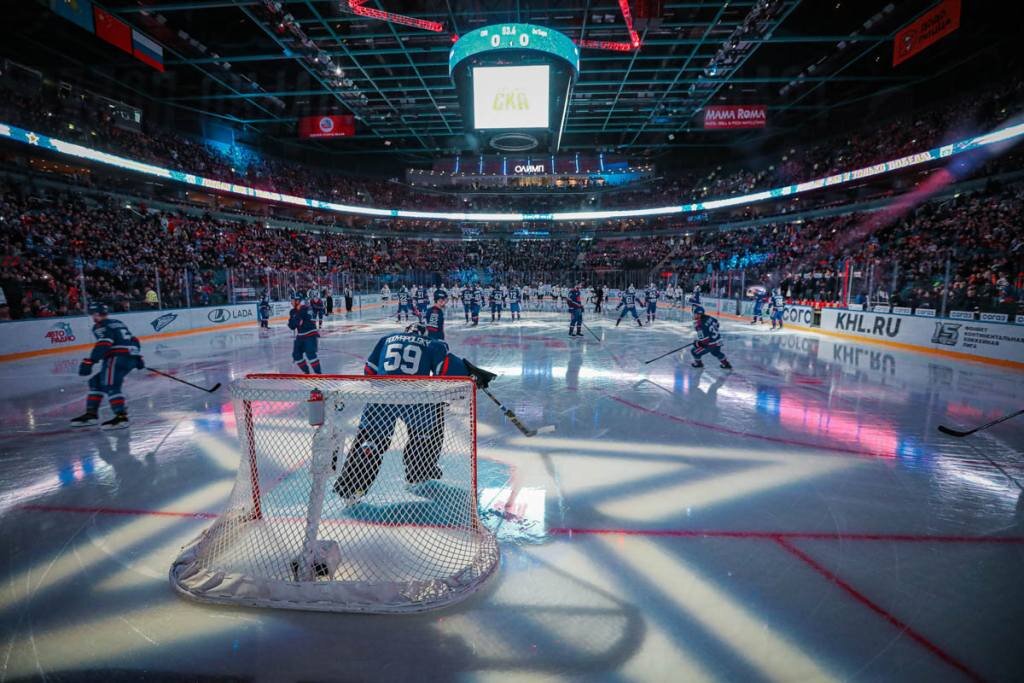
x=353, y=494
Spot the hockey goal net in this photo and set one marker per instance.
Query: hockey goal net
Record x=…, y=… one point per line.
x=354, y=494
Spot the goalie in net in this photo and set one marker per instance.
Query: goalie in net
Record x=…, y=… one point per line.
x=409, y=354
x=337, y=517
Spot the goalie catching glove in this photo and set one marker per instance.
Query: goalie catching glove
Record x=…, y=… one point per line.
x=481, y=377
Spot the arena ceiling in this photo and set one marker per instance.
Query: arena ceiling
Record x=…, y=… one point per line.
x=261, y=64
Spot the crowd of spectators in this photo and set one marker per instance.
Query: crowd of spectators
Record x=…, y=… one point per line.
x=59, y=248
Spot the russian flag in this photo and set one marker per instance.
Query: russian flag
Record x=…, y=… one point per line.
x=147, y=50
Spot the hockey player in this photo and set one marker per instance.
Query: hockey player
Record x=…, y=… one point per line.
x=421, y=302
x=455, y=294
x=263, y=312
x=708, y=339
x=543, y=292
x=574, y=300
x=628, y=305
x=304, y=347
x=317, y=309
x=515, y=308
x=405, y=354
x=404, y=304
x=777, y=307
x=760, y=299
x=651, y=295
x=598, y=299
x=467, y=296
x=118, y=352
x=476, y=300
x=694, y=299
x=385, y=295
x=494, y=299
x=435, y=315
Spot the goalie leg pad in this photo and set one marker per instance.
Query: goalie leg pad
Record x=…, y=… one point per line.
x=364, y=459
x=426, y=439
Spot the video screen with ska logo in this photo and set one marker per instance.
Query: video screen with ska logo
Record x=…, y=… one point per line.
x=510, y=97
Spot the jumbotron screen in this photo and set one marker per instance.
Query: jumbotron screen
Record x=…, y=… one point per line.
x=510, y=97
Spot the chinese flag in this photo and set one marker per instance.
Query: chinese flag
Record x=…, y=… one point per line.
x=113, y=30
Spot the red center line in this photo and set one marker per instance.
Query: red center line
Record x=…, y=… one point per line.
x=567, y=531
x=776, y=535
x=902, y=626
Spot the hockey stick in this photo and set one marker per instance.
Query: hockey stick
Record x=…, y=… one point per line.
x=510, y=415
x=591, y=332
x=648, y=362
x=212, y=389
x=955, y=432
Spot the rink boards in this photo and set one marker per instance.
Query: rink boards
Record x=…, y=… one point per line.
x=42, y=336
x=992, y=342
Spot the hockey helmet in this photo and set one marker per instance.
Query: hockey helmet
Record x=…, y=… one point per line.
x=698, y=310
x=98, y=308
x=418, y=329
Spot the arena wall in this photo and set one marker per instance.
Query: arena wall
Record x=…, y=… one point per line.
x=1000, y=343
x=43, y=336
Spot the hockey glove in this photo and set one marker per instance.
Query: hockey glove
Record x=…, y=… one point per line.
x=479, y=375
x=140, y=363
x=85, y=367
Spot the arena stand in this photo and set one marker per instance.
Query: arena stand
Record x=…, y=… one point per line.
x=60, y=248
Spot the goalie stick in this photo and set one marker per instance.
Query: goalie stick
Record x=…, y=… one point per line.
x=510, y=415
x=669, y=353
x=212, y=389
x=957, y=433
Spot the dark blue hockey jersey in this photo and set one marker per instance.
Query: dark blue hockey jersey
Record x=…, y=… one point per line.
x=411, y=354
x=112, y=338
x=435, y=322
x=301, y=320
x=707, y=331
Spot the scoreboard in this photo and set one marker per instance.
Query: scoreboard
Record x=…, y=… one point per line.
x=514, y=83
x=514, y=37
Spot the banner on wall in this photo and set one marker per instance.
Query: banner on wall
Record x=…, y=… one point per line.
x=926, y=30
x=48, y=334
x=722, y=116
x=335, y=126
x=992, y=340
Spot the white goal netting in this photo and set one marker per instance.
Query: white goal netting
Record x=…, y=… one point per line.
x=353, y=494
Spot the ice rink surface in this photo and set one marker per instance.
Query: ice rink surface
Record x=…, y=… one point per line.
x=797, y=519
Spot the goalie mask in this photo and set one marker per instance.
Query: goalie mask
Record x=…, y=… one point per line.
x=418, y=329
